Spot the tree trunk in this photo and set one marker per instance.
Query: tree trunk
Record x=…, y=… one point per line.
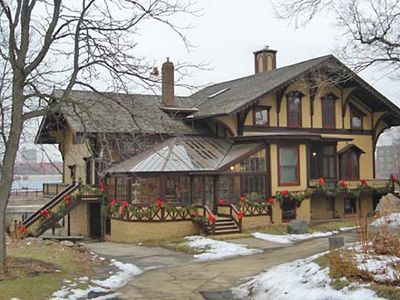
x=10, y=154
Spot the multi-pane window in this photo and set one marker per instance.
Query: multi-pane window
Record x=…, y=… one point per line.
x=288, y=165
x=322, y=162
x=255, y=162
x=356, y=118
x=229, y=188
x=253, y=186
x=294, y=109
x=328, y=111
x=261, y=116
x=177, y=189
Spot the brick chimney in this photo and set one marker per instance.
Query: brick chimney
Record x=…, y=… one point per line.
x=167, y=78
x=264, y=60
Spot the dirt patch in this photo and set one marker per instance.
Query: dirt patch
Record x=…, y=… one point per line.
x=17, y=267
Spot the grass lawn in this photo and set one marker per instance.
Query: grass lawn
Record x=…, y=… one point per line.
x=66, y=262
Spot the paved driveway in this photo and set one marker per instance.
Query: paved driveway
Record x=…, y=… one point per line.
x=172, y=275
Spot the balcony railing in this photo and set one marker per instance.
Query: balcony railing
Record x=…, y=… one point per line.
x=353, y=184
x=53, y=189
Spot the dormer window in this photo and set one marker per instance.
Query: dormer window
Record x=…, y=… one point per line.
x=261, y=115
x=328, y=111
x=294, y=109
x=356, y=118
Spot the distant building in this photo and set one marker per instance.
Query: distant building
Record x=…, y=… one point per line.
x=387, y=161
x=44, y=168
x=29, y=156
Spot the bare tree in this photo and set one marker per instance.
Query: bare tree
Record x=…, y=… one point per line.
x=48, y=44
x=369, y=27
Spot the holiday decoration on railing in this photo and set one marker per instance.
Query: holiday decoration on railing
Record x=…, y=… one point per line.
x=45, y=213
x=242, y=200
x=211, y=218
x=240, y=215
x=102, y=187
x=270, y=200
x=342, y=184
x=221, y=202
x=67, y=200
x=159, y=203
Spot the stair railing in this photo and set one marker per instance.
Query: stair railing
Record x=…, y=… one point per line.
x=206, y=214
x=234, y=212
x=52, y=203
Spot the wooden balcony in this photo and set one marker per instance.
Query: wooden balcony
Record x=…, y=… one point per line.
x=353, y=184
x=53, y=189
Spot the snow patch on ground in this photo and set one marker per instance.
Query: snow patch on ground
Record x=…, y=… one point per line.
x=217, y=249
x=382, y=267
x=298, y=280
x=291, y=238
x=126, y=272
x=119, y=279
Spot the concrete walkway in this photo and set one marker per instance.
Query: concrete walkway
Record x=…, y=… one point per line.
x=178, y=276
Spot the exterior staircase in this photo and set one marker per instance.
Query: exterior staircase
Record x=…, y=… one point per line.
x=222, y=225
x=36, y=224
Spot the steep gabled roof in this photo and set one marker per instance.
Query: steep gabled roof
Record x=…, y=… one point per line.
x=186, y=154
x=227, y=97
x=230, y=96
x=90, y=112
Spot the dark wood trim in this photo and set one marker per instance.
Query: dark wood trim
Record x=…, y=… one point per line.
x=261, y=107
x=240, y=158
x=312, y=130
x=313, y=90
x=268, y=179
x=356, y=111
x=288, y=96
x=222, y=124
x=297, y=167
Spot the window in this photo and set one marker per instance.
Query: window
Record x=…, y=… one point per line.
x=294, y=109
x=288, y=158
x=349, y=165
x=228, y=188
x=261, y=116
x=255, y=162
x=253, y=186
x=145, y=190
x=356, y=117
x=177, y=189
x=349, y=206
x=322, y=162
x=328, y=111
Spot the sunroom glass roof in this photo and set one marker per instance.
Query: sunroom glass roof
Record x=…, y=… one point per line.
x=185, y=154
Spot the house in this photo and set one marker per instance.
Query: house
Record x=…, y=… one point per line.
x=387, y=161
x=295, y=142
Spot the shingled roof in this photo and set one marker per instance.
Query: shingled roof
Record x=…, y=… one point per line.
x=231, y=96
x=89, y=112
x=227, y=97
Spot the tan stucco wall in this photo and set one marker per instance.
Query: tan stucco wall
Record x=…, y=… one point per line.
x=255, y=222
x=73, y=154
x=229, y=121
x=127, y=232
x=303, y=212
x=321, y=208
x=79, y=218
